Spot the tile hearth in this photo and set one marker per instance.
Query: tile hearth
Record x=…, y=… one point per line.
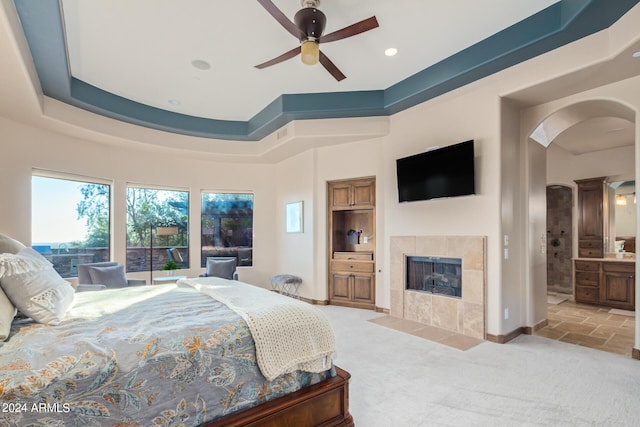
x=431, y=333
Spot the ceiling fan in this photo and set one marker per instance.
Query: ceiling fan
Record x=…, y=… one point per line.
x=308, y=27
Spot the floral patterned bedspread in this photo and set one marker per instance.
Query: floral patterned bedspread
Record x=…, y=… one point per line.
x=142, y=356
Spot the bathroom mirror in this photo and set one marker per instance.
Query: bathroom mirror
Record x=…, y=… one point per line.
x=625, y=214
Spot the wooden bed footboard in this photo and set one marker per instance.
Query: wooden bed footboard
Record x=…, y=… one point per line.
x=325, y=404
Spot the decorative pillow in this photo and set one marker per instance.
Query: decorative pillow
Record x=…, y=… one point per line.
x=7, y=309
x=223, y=268
x=112, y=276
x=7, y=313
x=33, y=286
x=9, y=245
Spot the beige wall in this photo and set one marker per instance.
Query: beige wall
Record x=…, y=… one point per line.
x=509, y=316
x=295, y=178
x=564, y=167
x=449, y=121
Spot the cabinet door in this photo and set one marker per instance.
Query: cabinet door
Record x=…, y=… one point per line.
x=364, y=194
x=340, y=286
x=340, y=196
x=357, y=194
x=618, y=290
x=363, y=289
x=590, y=206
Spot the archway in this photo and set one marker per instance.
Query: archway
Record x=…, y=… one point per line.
x=592, y=138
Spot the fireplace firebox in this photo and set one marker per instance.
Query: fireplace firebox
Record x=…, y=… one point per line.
x=436, y=275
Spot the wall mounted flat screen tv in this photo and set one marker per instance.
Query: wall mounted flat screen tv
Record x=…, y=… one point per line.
x=443, y=172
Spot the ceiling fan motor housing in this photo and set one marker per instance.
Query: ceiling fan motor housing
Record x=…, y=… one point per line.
x=311, y=22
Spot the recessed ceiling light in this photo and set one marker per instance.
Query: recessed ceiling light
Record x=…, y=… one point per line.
x=391, y=51
x=173, y=102
x=636, y=54
x=200, y=64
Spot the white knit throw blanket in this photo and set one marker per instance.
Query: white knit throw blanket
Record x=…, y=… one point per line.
x=289, y=334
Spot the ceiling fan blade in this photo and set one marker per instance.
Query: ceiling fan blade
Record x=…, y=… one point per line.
x=351, y=30
x=331, y=67
x=281, y=18
x=287, y=55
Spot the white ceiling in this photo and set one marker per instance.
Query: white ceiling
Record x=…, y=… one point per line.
x=597, y=134
x=143, y=50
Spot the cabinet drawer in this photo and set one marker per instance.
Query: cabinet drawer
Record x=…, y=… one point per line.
x=590, y=252
x=587, y=278
x=586, y=294
x=357, y=256
x=587, y=266
x=361, y=267
x=590, y=244
x=622, y=267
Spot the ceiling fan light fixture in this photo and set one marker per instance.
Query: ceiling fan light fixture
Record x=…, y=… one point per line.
x=310, y=52
x=311, y=22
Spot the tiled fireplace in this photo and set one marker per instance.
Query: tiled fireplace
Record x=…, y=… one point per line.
x=464, y=314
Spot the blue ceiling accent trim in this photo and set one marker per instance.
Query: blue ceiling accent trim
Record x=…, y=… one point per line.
x=315, y=106
x=480, y=60
x=555, y=26
x=91, y=98
x=45, y=36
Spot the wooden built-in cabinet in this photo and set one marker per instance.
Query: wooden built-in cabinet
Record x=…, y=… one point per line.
x=352, y=278
x=600, y=280
x=607, y=283
x=351, y=242
x=352, y=194
x=593, y=217
x=618, y=286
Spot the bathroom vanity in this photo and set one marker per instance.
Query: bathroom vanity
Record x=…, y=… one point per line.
x=607, y=281
x=603, y=275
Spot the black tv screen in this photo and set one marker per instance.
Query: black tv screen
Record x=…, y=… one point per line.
x=443, y=172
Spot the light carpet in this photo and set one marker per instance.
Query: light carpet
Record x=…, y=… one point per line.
x=399, y=380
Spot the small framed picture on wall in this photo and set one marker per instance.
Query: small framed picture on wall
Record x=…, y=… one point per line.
x=294, y=217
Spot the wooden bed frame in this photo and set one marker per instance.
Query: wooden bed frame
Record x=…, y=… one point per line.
x=325, y=404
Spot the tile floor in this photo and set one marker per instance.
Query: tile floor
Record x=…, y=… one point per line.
x=442, y=336
x=590, y=326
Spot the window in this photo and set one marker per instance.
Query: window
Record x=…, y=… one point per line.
x=227, y=227
x=157, y=229
x=70, y=220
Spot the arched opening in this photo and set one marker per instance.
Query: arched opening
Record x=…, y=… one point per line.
x=589, y=139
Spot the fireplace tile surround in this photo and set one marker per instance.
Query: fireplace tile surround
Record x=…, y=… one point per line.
x=464, y=315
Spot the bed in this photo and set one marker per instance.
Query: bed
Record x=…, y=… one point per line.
x=201, y=352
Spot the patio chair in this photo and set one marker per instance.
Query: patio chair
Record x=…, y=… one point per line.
x=104, y=275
